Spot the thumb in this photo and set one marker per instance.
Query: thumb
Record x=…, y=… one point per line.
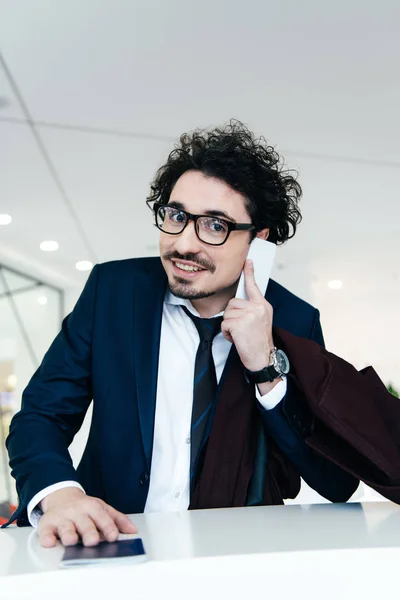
x=123, y=522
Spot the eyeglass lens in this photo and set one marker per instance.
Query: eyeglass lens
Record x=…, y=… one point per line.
x=210, y=230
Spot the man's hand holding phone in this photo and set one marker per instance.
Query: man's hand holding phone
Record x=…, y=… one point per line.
x=248, y=325
x=71, y=516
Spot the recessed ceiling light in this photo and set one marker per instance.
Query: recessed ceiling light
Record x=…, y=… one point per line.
x=12, y=380
x=5, y=219
x=49, y=246
x=42, y=300
x=84, y=265
x=335, y=284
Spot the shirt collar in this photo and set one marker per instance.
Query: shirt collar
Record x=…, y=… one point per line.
x=170, y=298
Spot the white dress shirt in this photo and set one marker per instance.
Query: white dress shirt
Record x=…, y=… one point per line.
x=169, y=478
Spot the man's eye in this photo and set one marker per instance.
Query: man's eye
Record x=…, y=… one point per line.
x=177, y=216
x=217, y=226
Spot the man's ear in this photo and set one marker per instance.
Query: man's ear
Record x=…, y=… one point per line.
x=263, y=234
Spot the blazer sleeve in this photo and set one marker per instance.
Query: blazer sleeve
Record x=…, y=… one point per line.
x=290, y=422
x=54, y=404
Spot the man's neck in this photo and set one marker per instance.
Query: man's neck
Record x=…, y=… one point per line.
x=208, y=307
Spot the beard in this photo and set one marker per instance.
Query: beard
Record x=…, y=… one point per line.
x=182, y=289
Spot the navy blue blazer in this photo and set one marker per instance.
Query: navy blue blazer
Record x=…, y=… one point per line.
x=107, y=350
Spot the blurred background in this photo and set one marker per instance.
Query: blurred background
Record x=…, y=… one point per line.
x=93, y=96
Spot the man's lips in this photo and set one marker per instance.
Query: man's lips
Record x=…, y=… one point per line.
x=179, y=267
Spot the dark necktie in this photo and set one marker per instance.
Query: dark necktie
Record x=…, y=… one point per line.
x=204, y=387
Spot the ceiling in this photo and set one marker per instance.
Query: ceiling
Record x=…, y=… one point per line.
x=94, y=94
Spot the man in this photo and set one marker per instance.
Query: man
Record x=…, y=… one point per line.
x=136, y=343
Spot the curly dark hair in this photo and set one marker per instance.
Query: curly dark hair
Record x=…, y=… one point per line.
x=249, y=165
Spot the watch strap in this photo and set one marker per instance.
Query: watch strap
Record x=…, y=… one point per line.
x=267, y=374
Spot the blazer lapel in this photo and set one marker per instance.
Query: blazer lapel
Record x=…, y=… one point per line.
x=149, y=294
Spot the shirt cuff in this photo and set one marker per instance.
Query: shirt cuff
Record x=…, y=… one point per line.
x=34, y=511
x=276, y=395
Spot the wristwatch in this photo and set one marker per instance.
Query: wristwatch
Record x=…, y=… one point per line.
x=279, y=365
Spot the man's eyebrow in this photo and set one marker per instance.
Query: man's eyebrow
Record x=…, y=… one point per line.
x=219, y=213
x=211, y=213
x=177, y=205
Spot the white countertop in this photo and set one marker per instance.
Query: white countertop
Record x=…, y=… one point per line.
x=227, y=547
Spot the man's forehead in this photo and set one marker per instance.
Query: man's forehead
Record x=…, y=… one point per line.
x=201, y=194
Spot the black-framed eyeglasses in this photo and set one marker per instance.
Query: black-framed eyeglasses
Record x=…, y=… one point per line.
x=209, y=229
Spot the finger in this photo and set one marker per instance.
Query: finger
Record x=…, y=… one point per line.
x=47, y=535
x=105, y=524
x=122, y=521
x=67, y=533
x=226, y=328
x=234, y=313
x=87, y=530
x=237, y=303
x=252, y=289
x=227, y=336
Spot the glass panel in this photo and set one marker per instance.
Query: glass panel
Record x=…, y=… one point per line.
x=17, y=282
x=29, y=321
x=38, y=310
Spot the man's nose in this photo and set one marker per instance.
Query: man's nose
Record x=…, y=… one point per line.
x=187, y=242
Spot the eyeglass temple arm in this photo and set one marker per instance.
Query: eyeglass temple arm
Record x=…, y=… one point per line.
x=244, y=226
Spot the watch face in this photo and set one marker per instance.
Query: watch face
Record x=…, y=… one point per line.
x=282, y=362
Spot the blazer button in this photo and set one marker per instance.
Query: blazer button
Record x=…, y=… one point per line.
x=144, y=478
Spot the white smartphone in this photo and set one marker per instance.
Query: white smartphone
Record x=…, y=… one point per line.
x=262, y=253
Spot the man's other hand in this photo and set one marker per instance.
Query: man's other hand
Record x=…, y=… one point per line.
x=72, y=516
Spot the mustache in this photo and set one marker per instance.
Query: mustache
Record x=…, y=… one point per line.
x=202, y=262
